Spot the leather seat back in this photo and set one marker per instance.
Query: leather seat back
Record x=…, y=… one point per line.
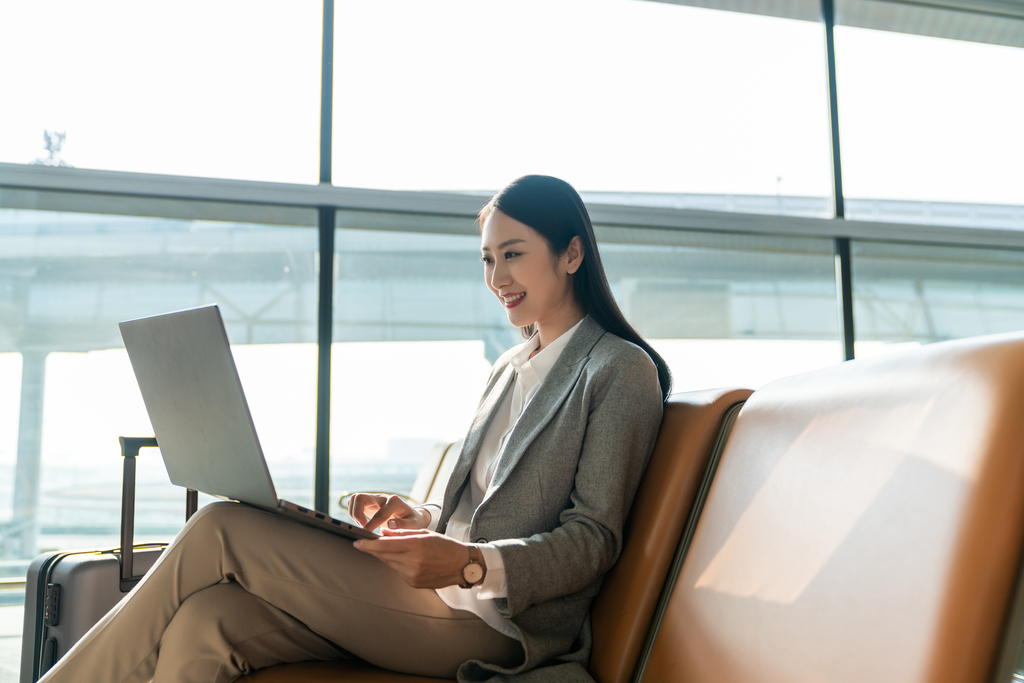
x=865, y=524
x=622, y=612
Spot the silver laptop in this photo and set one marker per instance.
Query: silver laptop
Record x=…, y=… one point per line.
x=188, y=379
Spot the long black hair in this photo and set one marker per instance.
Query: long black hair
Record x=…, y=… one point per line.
x=554, y=209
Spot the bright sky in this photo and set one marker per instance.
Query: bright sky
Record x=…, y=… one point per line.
x=925, y=118
x=466, y=94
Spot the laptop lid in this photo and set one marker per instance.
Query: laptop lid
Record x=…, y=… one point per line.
x=187, y=376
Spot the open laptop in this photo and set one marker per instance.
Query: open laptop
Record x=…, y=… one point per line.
x=194, y=397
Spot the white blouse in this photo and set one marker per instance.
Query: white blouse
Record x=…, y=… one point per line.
x=530, y=374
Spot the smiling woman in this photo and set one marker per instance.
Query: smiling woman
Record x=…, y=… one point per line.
x=551, y=210
x=541, y=261
x=465, y=579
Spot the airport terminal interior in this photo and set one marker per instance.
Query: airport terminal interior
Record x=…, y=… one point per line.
x=776, y=186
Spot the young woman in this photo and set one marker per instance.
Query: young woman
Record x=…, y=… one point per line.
x=498, y=576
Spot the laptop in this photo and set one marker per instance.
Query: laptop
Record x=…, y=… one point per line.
x=184, y=367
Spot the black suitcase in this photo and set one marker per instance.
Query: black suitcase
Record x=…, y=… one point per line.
x=66, y=593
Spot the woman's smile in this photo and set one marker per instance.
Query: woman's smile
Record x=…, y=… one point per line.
x=513, y=300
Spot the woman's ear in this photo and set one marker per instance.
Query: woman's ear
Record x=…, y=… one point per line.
x=574, y=255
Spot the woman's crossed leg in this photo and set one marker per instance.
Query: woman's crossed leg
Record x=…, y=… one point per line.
x=301, y=578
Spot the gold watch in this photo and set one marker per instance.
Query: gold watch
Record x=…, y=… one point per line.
x=475, y=571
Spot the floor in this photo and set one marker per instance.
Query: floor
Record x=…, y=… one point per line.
x=11, y=621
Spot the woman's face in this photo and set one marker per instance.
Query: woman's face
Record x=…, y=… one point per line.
x=533, y=285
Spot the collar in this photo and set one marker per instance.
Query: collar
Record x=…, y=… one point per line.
x=546, y=358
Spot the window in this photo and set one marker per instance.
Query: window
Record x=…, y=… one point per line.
x=905, y=295
x=726, y=309
x=66, y=279
x=930, y=126
x=415, y=334
x=416, y=330
x=207, y=88
x=644, y=101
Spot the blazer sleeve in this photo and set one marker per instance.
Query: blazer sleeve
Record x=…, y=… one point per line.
x=623, y=414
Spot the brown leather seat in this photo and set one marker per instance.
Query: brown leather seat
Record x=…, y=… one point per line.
x=866, y=523
x=624, y=608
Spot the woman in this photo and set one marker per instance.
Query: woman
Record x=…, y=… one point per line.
x=498, y=577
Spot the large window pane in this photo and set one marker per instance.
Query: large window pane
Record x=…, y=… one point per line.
x=931, y=127
x=66, y=279
x=906, y=295
x=726, y=309
x=10, y=398
x=416, y=329
x=415, y=333
x=214, y=88
x=615, y=96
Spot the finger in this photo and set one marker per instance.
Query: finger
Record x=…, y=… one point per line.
x=399, y=543
x=393, y=506
x=363, y=502
x=373, y=548
x=379, y=517
x=400, y=523
x=379, y=547
x=400, y=532
x=351, y=502
x=354, y=506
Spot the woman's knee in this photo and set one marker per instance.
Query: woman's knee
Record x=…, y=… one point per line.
x=222, y=515
x=205, y=609
x=218, y=617
x=214, y=510
x=223, y=631
x=198, y=641
x=213, y=527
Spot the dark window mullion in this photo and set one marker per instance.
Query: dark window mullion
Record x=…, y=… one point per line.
x=844, y=268
x=325, y=318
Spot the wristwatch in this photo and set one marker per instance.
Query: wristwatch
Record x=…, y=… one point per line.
x=474, y=572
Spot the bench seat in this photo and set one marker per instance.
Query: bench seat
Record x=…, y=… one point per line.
x=866, y=523
x=623, y=611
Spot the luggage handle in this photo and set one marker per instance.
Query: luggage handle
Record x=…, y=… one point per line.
x=130, y=447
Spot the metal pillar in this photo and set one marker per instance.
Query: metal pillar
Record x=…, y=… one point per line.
x=325, y=318
x=828, y=18
x=326, y=91
x=844, y=295
x=19, y=537
x=325, y=330
x=844, y=269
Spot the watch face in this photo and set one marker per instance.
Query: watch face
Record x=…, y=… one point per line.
x=472, y=572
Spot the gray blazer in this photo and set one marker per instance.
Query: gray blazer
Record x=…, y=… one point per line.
x=561, y=493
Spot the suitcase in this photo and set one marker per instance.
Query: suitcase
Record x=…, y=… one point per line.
x=66, y=593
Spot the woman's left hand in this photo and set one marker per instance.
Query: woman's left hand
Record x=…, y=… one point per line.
x=424, y=559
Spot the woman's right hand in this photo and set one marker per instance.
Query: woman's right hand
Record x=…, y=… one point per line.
x=372, y=510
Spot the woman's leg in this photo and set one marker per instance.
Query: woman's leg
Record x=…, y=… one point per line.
x=347, y=597
x=224, y=632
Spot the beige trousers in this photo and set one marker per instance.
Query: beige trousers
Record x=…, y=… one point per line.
x=240, y=589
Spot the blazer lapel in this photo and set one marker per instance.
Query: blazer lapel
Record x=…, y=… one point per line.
x=549, y=398
x=471, y=446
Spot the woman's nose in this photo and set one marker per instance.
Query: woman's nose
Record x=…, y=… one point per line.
x=499, y=276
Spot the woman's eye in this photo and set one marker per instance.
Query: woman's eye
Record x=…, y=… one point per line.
x=485, y=259
x=511, y=254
